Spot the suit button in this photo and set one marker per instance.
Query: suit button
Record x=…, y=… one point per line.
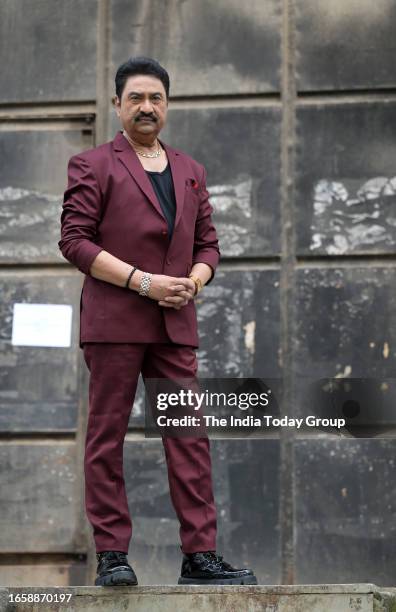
x=168, y=261
x=164, y=232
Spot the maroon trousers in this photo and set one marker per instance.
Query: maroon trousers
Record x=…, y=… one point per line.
x=114, y=372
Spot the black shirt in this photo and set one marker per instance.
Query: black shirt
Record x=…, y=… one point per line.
x=162, y=183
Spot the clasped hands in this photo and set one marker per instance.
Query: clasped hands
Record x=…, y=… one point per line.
x=171, y=291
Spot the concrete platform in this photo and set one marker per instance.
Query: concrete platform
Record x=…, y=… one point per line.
x=297, y=598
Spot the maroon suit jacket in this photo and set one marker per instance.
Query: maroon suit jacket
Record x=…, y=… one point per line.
x=110, y=204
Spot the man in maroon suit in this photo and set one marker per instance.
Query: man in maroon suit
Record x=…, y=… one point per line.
x=136, y=220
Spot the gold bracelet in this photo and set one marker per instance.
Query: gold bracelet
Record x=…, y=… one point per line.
x=198, y=283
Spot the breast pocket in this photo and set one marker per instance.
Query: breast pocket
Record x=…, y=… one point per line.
x=192, y=197
x=193, y=186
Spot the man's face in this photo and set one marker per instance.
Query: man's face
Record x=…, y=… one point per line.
x=143, y=106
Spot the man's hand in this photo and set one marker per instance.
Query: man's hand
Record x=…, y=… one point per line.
x=171, y=291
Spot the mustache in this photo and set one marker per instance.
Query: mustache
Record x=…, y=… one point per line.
x=145, y=116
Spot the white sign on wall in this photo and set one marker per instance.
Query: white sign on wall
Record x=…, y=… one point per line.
x=42, y=325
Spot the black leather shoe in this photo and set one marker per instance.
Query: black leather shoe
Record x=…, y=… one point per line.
x=209, y=568
x=114, y=569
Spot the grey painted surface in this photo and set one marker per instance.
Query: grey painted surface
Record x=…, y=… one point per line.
x=200, y=43
x=345, y=45
x=337, y=332
x=344, y=358
x=235, y=341
x=38, y=502
x=345, y=509
x=60, y=569
x=248, y=533
x=38, y=385
x=33, y=177
x=48, y=49
x=346, y=179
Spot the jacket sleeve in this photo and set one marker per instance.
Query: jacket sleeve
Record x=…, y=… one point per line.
x=81, y=214
x=206, y=245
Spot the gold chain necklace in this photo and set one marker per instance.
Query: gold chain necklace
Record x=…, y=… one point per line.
x=156, y=153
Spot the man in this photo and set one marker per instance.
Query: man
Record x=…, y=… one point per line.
x=136, y=220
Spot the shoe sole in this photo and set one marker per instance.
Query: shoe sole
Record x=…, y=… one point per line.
x=244, y=580
x=121, y=578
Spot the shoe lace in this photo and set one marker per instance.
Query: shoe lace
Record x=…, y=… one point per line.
x=216, y=561
x=119, y=557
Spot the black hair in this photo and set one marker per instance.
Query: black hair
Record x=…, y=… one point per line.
x=140, y=65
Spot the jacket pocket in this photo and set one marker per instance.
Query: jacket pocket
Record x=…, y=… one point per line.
x=192, y=186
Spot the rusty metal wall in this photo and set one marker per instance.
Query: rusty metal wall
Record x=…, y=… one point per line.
x=290, y=104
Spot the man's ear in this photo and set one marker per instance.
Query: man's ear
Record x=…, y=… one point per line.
x=116, y=104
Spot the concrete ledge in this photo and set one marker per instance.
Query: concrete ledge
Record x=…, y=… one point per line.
x=271, y=598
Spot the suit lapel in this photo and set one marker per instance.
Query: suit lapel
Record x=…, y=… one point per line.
x=129, y=158
x=179, y=178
